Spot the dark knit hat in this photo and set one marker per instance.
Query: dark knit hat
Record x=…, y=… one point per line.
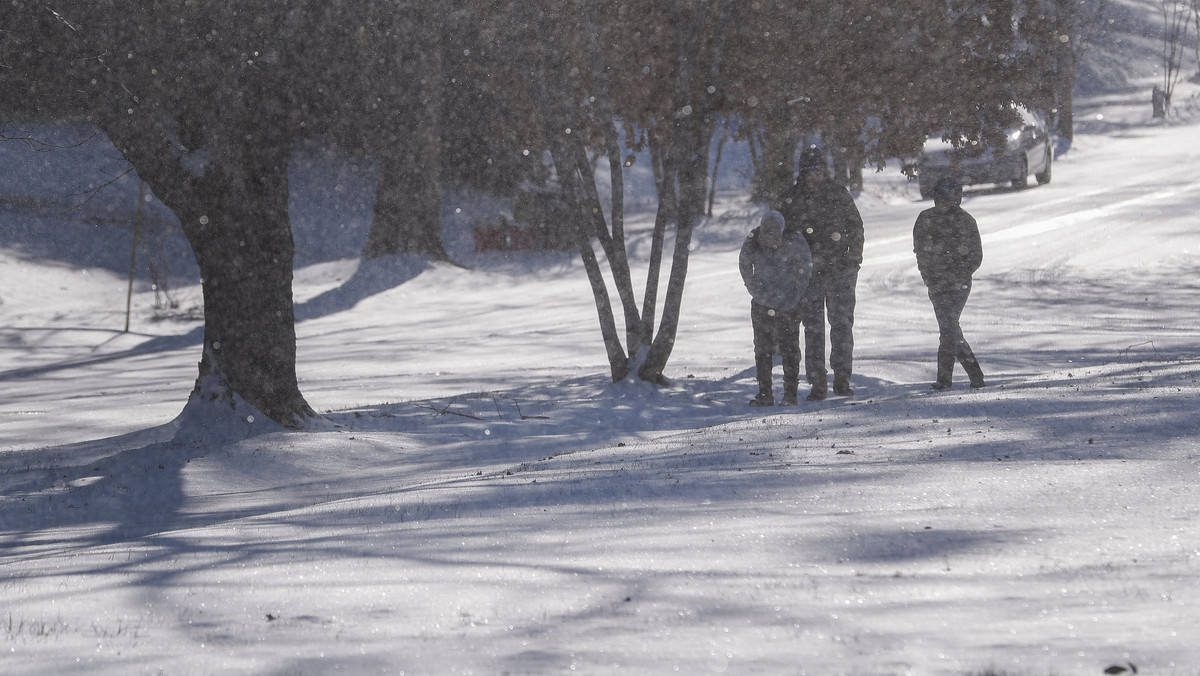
x=812, y=159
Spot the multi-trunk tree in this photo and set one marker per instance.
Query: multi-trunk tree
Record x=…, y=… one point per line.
x=609, y=77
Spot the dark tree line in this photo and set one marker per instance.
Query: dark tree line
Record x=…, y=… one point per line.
x=207, y=99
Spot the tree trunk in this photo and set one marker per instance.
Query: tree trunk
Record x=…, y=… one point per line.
x=779, y=142
x=235, y=216
x=408, y=204
x=618, y=360
x=716, y=170
x=239, y=230
x=692, y=173
x=613, y=242
x=847, y=158
x=692, y=135
x=408, y=198
x=547, y=85
x=660, y=158
x=1064, y=91
x=605, y=112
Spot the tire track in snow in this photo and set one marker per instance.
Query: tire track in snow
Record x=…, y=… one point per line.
x=1178, y=196
x=1099, y=214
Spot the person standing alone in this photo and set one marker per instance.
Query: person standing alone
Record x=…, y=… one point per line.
x=949, y=250
x=775, y=268
x=824, y=213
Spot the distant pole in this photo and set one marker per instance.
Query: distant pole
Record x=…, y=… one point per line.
x=137, y=226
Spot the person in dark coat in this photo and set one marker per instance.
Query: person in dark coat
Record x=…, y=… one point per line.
x=946, y=242
x=775, y=267
x=824, y=213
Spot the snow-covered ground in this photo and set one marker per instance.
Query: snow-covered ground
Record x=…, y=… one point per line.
x=487, y=502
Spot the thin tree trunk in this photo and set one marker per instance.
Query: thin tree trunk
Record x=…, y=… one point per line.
x=1176, y=20
x=618, y=255
x=660, y=157
x=613, y=243
x=692, y=135
x=752, y=143
x=1195, y=6
x=1065, y=88
x=712, y=184
x=618, y=360
x=582, y=200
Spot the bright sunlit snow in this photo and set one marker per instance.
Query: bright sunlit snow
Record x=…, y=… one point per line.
x=485, y=501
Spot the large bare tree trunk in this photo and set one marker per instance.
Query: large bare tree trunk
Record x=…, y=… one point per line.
x=234, y=212
x=408, y=203
x=408, y=197
x=239, y=230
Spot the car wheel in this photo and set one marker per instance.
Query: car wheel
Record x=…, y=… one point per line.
x=1024, y=178
x=1044, y=177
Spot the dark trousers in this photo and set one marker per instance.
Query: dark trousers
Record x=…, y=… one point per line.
x=775, y=329
x=829, y=294
x=948, y=303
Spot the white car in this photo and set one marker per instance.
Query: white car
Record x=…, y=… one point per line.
x=1028, y=150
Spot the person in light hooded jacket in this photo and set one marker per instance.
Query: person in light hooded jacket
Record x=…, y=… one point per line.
x=949, y=250
x=776, y=267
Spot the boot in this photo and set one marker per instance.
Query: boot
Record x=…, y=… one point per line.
x=819, y=388
x=762, y=373
x=973, y=372
x=791, y=384
x=763, y=399
x=945, y=371
x=841, y=386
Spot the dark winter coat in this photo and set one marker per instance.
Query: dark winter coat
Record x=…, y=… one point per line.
x=947, y=245
x=775, y=278
x=827, y=217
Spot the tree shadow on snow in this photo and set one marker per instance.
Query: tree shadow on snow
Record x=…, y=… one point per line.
x=370, y=278
x=628, y=454
x=153, y=345
x=86, y=494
